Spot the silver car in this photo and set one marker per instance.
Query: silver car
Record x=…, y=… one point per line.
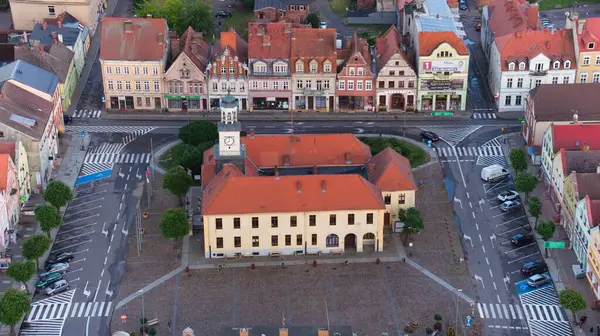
x=54, y=268
x=57, y=287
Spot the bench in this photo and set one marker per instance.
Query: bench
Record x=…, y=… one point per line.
x=274, y=254
x=230, y=256
x=248, y=255
x=152, y=322
x=317, y=253
x=337, y=252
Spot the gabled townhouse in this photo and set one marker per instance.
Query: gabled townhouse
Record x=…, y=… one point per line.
x=57, y=59
x=526, y=60
x=586, y=33
x=561, y=104
x=559, y=140
x=587, y=218
x=314, y=59
x=577, y=186
x=443, y=68
x=69, y=32
x=355, y=89
x=9, y=188
x=269, y=70
x=25, y=13
x=132, y=70
x=593, y=256
x=228, y=70
x=295, y=11
x=185, y=83
x=18, y=154
x=581, y=161
x=396, y=77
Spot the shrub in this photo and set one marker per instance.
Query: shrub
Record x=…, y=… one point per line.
x=437, y=317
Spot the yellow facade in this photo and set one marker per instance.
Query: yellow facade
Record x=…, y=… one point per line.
x=588, y=67
x=593, y=262
x=396, y=200
x=309, y=235
x=133, y=85
x=26, y=13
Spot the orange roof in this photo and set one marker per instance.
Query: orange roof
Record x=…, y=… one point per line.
x=387, y=46
x=392, y=171
x=510, y=16
x=142, y=39
x=4, y=170
x=8, y=147
x=268, y=194
x=310, y=42
x=306, y=150
x=523, y=46
x=429, y=41
x=589, y=34
x=269, y=40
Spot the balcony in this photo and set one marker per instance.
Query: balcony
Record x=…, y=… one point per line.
x=313, y=92
x=271, y=74
x=538, y=72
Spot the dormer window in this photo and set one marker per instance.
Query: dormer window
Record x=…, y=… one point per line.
x=591, y=45
x=556, y=65
x=522, y=66
x=511, y=66
x=299, y=66
x=327, y=67
x=260, y=67
x=314, y=66
x=567, y=64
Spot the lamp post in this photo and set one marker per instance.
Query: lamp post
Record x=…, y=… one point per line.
x=456, y=300
x=143, y=312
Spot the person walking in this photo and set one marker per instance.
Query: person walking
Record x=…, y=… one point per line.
x=582, y=321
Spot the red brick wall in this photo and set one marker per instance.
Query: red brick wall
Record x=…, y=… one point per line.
x=365, y=4
x=268, y=14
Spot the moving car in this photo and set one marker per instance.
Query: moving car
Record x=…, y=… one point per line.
x=508, y=196
x=538, y=280
x=510, y=206
x=462, y=5
x=54, y=268
x=429, y=136
x=534, y=267
x=222, y=14
x=48, y=280
x=60, y=258
x=522, y=240
x=67, y=119
x=57, y=287
x=323, y=25
x=494, y=173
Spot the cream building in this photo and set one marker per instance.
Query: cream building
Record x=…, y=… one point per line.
x=586, y=220
x=132, y=70
x=593, y=263
x=586, y=33
x=26, y=13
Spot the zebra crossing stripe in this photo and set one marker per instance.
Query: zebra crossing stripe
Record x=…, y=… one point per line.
x=108, y=306
x=87, y=311
x=94, y=309
x=81, y=310
x=512, y=312
x=101, y=307
x=74, y=311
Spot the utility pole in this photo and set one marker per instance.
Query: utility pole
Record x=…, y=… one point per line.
x=138, y=227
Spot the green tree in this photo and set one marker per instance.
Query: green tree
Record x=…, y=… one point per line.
x=21, y=271
x=198, y=15
x=197, y=132
x=34, y=248
x=313, y=19
x=413, y=223
x=48, y=217
x=174, y=224
x=58, y=194
x=518, y=159
x=177, y=182
x=546, y=229
x=535, y=209
x=572, y=300
x=525, y=183
x=13, y=305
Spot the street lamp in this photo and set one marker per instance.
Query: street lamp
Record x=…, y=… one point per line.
x=456, y=300
x=143, y=312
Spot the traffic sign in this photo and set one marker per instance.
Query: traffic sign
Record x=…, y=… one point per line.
x=123, y=318
x=82, y=133
x=555, y=244
x=442, y=114
x=429, y=143
x=469, y=321
x=521, y=119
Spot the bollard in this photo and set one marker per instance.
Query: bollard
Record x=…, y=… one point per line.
x=378, y=261
x=314, y=263
x=187, y=269
x=252, y=266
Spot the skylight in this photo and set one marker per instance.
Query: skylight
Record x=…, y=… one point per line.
x=22, y=120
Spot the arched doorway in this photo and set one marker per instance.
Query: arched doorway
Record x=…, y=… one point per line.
x=398, y=101
x=368, y=242
x=332, y=240
x=350, y=242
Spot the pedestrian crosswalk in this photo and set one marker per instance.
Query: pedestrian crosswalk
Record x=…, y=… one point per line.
x=47, y=316
x=92, y=168
x=57, y=311
x=141, y=130
x=108, y=148
x=90, y=114
x=103, y=158
x=484, y=116
x=495, y=142
x=544, y=314
x=499, y=311
x=469, y=151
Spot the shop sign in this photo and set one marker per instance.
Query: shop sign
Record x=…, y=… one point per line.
x=437, y=85
x=443, y=66
x=182, y=97
x=442, y=93
x=271, y=99
x=404, y=92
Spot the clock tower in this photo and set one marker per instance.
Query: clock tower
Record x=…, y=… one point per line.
x=230, y=129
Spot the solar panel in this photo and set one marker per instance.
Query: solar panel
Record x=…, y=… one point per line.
x=22, y=120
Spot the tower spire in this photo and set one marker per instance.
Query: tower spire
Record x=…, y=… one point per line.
x=229, y=109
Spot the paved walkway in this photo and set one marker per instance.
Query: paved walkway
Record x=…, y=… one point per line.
x=333, y=21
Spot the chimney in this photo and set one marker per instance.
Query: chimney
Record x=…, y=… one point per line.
x=244, y=332
x=518, y=34
x=286, y=160
x=323, y=186
x=44, y=25
x=580, y=26
x=149, y=16
x=266, y=40
x=299, y=188
x=370, y=168
x=252, y=134
x=59, y=23
x=347, y=42
x=315, y=170
x=323, y=332
x=276, y=173
x=575, y=119
x=160, y=39
x=283, y=332
x=347, y=158
x=174, y=43
x=128, y=26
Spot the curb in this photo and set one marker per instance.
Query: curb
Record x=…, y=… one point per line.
x=159, y=152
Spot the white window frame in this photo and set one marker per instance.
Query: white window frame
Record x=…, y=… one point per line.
x=342, y=85
x=299, y=67
x=350, y=85
x=511, y=66
x=583, y=77
x=596, y=77
x=556, y=65
x=360, y=71
x=359, y=85
x=117, y=70
x=521, y=66
x=109, y=70
x=314, y=67
x=254, y=85
x=276, y=85
x=327, y=67
x=508, y=100
x=368, y=85
x=567, y=64
x=586, y=60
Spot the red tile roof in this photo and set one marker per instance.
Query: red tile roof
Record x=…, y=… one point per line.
x=575, y=137
x=233, y=42
x=192, y=44
x=586, y=184
x=392, y=171
x=133, y=39
x=593, y=212
x=429, y=41
x=524, y=46
x=269, y=40
x=4, y=170
x=589, y=34
x=508, y=17
x=387, y=46
x=285, y=194
x=310, y=42
x=355, y=47
x=8, y=147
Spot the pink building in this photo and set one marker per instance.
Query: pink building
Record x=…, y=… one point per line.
x=9, y=189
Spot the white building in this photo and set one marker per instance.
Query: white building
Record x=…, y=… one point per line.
x=586, y=220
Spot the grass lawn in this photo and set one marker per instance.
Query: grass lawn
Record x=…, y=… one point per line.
x=239, y=22
x=338, y=7
x=167, y=159
x=554, y=4
x=415, y=155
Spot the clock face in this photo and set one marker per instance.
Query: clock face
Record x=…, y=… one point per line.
x=229, y=141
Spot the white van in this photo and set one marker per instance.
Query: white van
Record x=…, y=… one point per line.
x=494, y=173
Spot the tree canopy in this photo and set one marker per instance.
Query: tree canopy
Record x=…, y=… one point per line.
x=546, y=229
x=177, y=181
x=21, y=271
x=413, y=223
x=525, y=183
x=174, y=223
x=58, y=194
x=48, y=217
x=13, y=305
x=518, y=159
x=535, y=208
x=34, y=248
x=191, y=157
x=197, y=132
x=313, y=19
x=572, y=300
x=180, y=14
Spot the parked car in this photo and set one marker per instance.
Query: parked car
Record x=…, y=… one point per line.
x=522, y=240
x=54, y=268
x=60, y=258
x=462, y=5
x=429, y=136
x=323, y=25
x=48, y=280
x=538, y=280
x=67, y=119
x=222, y=14
x=510, y=206
x=534, y=267
x=57, y=287
x=494, y=173
x=508, y=196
